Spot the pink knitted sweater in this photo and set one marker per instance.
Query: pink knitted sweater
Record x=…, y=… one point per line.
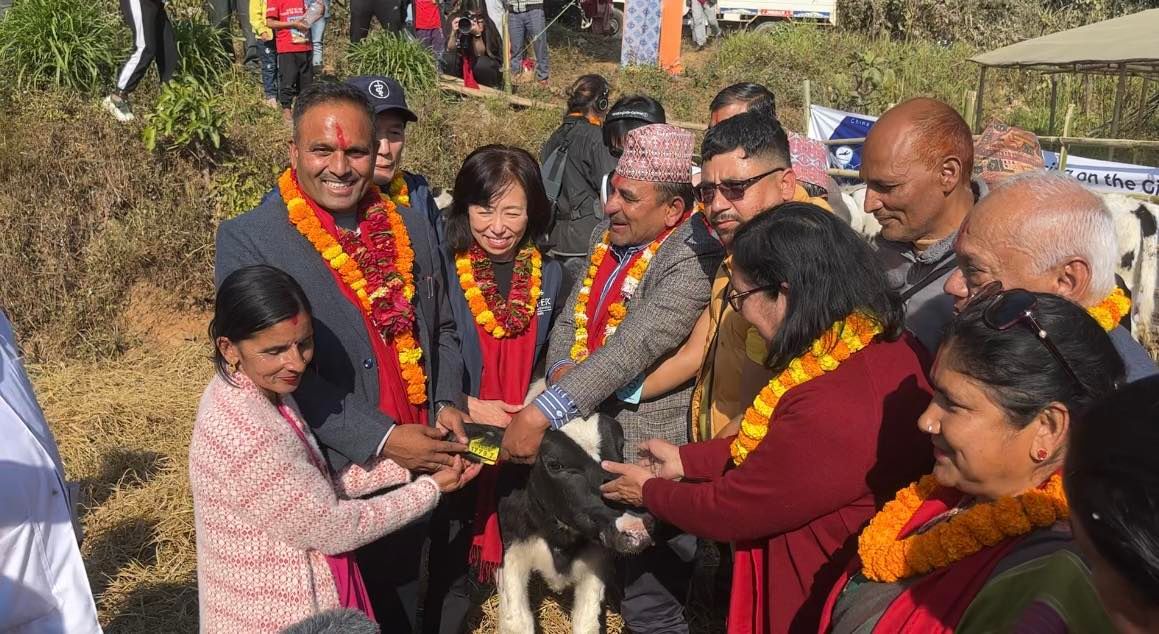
x=265, y=514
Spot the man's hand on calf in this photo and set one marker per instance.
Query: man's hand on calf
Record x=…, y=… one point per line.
x=523, y=434
x=421, y=448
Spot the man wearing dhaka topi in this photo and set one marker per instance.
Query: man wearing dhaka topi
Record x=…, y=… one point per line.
x=649, y=275
x=387, y=375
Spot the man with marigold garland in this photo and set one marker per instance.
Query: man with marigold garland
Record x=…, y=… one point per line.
x=1045, y=232
x=649, y=276
x=387, y=374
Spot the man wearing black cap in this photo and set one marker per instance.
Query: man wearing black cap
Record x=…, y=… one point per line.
x=391, y=114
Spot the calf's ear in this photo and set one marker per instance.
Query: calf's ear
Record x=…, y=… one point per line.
x=611, y=439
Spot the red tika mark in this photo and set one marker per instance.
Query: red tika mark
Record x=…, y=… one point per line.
x=342, y=144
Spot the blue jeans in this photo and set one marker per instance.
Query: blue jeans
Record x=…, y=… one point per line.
x=524, y=26
x=268, y=58
x=317, y=29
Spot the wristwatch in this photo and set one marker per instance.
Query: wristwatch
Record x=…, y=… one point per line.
x=439, y=405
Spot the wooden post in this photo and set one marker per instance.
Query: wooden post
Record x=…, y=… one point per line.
x=1120, y=88
x=506, y=54
x=981, y=97
x=1053, y=103
x=806, y=91
x=970, y=102
x=1065, y=132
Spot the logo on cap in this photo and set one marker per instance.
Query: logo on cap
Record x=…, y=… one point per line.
x=378, y=89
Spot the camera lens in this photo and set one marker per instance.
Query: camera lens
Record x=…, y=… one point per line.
x=464, y=24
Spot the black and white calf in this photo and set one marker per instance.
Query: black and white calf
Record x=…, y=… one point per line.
x=561, y=528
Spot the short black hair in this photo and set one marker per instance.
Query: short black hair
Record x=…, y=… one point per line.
x=586, y=92
x=757, y=97
x=629, y=113
x=830, y=272
x=1020, y=372
x=1111, y=475
x=668, y=191
x=324, y=92
x=751, y=132
x=485, y=174
x=250, y=300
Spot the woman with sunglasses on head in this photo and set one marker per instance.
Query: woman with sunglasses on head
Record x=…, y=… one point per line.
x=983, y=544
x=831, y=433
x=276, y=529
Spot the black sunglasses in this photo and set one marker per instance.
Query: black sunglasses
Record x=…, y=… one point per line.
x=734, y=190
x=1016, y=306
x=735, y=299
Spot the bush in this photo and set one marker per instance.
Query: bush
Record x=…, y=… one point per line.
x=189, y=118
x=74, y=45
x=394, y=55
x=199, y=51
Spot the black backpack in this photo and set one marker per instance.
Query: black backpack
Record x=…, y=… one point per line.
x=553, y=165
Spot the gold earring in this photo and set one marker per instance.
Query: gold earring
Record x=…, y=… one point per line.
x=234, y=367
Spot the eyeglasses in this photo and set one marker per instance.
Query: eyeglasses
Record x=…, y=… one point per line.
x=734, y=190
x=735, y=299
x=1010, y=308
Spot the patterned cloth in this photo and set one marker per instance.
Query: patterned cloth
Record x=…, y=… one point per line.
x=641, y=44
x=1004, y=151
x=809, y=158
x=658, y=153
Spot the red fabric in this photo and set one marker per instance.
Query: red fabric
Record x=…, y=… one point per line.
x=288, y=11
x=427, y=15
x=392, y=399
x=835, y=447
x=343, y=567
x=507, y=367
x=468, y=73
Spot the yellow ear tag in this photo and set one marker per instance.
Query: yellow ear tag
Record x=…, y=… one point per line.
x=487, y=454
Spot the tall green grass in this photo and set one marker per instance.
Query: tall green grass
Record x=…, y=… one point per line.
x=395, y=55
x=67, y=43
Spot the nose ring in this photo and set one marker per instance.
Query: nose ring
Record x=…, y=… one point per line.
x=930, y=428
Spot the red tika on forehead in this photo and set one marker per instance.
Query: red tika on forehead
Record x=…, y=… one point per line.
x=342, y=143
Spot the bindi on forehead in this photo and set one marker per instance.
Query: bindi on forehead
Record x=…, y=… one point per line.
x=294, y=320
x=341, y=134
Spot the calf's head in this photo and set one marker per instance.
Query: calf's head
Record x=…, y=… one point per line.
x=565, y=480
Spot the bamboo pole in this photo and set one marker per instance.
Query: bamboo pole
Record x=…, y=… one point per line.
x=971, y=103
x=1053, y=103
x=981, y=97
x=1122, y=144
x=806, y=90
x=1066, y=121
x=1120, y=87
x=506, y=54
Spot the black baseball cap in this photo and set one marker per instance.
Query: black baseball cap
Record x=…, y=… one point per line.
x=384, y=94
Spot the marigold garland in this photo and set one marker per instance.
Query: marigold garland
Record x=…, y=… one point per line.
x=834, y=346
x=1111, y=310
x=399, y=192
x=382, y=278
x=618, y=310
x=501, y=317
x=885, y=558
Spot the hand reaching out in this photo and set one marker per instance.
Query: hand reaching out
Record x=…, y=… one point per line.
x=457, y=475
x=661, y=458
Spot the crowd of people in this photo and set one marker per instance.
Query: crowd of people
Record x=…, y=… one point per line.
x=945, y=428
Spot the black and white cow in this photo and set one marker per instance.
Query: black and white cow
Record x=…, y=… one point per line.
x=558, y=526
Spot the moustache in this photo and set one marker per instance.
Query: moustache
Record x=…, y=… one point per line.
x=725, y=216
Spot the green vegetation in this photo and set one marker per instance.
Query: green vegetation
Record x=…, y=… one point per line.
x=189, y=117
x=74, y=45
x=394, y=55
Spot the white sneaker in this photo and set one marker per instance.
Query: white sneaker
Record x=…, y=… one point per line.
x=119, y=108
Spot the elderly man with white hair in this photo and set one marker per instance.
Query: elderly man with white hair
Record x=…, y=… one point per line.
x=1045, y=232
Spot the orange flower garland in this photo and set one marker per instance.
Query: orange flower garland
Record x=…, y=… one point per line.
x=399, y=192
x=487, y=311
x=885, y=558
x=1111, y=310
x=617, y=311
x=830, y=349
x=401, y=280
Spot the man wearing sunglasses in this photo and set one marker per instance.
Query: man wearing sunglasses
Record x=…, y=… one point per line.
x=916, y=163
x=652, y=275
x=1046, y=233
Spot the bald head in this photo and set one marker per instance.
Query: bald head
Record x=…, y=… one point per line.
x=916, y=162
x=1043, y=232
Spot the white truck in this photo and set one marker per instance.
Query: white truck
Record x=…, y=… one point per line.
x=756, y=15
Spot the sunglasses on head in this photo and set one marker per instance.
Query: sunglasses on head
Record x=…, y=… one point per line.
x=1007, y=309
x=731, y=190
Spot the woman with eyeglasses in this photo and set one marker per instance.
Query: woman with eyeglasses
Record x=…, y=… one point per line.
x=983, y=544
x=474, y=48
x=831, y=433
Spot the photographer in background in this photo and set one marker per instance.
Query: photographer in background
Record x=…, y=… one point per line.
x=574, y=160
x=474, y=50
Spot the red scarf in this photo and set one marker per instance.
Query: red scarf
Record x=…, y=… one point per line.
x=747, y=611
x=507, y=366
x=469, y=73
x=935, y=602
x=392, y=399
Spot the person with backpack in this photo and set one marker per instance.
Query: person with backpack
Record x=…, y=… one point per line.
x=574, y=161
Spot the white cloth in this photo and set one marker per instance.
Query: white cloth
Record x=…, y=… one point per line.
x=43, y=585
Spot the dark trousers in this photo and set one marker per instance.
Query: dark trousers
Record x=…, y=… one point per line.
x=390, y=568
x=219, y=14
x=269, y=61
x=388, y=12
x=656, y=584
x=152, y=39
x=488, y=71
x=295, y=74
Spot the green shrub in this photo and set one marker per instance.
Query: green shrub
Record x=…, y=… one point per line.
x=188, y=118
x=394, y=55
x=66, y=43
x=199, y=51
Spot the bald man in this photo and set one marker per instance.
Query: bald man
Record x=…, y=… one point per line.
x=916, y=164
x=1044, y=232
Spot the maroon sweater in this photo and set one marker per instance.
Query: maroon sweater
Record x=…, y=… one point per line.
x=837, y=448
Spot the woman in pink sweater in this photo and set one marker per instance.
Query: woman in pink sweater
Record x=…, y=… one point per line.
x=275, y=529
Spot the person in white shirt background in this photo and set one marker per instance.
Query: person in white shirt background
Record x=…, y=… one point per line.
x=43, y=585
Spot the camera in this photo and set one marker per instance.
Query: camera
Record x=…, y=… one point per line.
x=464, y=24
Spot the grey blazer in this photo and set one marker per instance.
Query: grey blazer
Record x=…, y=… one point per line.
x=670, y=298
x=338, y=396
